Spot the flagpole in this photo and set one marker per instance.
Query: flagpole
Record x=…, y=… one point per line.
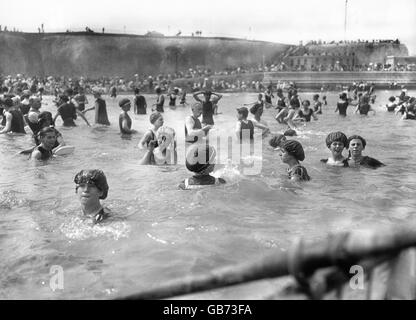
x=345, y=23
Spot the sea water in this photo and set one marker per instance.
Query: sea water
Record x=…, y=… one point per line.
x=158, y=232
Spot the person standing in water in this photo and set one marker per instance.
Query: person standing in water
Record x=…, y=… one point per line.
x=124, y=120
x=100, y=108
x=160, y=101
x=172, y=98
x=156, y=120
x=207, y=105
x=364, y=106
x=356, y=145
x=194, y=131
x=342, y=105
x=14, y=118
x=317, y=105
x=257, y=111
x=139, y=102
x=91, y=187
x=336, y=142
x=68, y=112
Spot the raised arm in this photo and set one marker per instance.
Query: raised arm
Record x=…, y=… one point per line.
x=196, y=94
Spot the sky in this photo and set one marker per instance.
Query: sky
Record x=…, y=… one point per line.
x=289, y=21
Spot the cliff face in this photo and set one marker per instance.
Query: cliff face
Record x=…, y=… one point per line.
x=111, y=55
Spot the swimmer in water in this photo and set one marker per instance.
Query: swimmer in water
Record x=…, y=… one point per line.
x=392, y=105
x=317, y=105
x=207, y=105
x=356, y=145
x=200, y=159
x=277, y=141
x=336, y=142
x=306, y=113
x=100, y=108
x=183, y=98
x=43, y=151
x=68, y=112
x=124, y=120
x=163, y=150
x=160, y=101
x=342, y=105
x=91, y=186
x=291, y=152
x=257, y=111
x=139, y=102
x=194, y=131
x=14, y=118
x=364, y=106
x=156, y=119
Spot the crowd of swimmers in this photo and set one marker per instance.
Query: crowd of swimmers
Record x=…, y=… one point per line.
x=159, y=141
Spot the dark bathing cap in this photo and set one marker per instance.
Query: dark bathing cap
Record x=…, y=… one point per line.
x=294, y=148
x=336, y=137
x=8, y=102
x=200, y=157
x=123, y=102
x=154, y=116
x=243, y=111
x=290, y=133
x=95, y=176
x=277, y=141
x=255, y=108
x=356, y=137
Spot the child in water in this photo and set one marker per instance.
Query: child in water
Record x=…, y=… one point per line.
x=91, y=186
x=200, y=159
x=291, y=153
x=336, y=142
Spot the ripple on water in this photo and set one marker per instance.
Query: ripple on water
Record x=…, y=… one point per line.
x=80, y=229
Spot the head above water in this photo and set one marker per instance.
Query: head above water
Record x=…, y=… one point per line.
x=197, y=108
x=356, y=137
x=154, y=117
x=124, y=103
x=256, y=108
x=200, y=158
x=294, y=148
x=277, y=140
x=96, y=177
x=306, y=103
x=336, y=137
x=243, y=111
x=290, y=133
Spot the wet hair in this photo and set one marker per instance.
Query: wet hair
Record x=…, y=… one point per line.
x=290, y=133
x=44, y=131
x=200, y=158
x=294, y=148
x=277, y=140
x=306, y=103
x=43, y=117
x=96, y=177
x=392, y=99
x=336, y=137
x=154, y=116
x=356, y=137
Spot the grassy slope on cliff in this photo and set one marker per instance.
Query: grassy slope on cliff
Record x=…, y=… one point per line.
x=120, y=55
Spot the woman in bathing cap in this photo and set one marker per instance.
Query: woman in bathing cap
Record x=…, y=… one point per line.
x=91, y=187
x=291, y=153
x=336, y=142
